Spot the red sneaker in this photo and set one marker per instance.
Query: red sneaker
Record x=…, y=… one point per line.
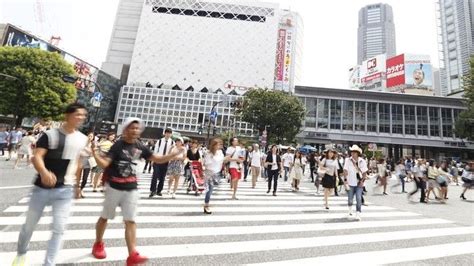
x=98, y=250
x=135, y=258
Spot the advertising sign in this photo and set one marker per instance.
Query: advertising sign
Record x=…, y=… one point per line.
x=354, y=77
x=280, y=56
x=288, y=59
x=372, y=69
x=83, y=71
x=396, y=71
x=16, y=38
x=418, y=72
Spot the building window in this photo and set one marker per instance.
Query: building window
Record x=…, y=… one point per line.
x=422, y=117
x=397, y=119
x=360, y=116
x=311, y=107
x=348, y=115
x=323, y=113
x=372, y=117
x=410, y=120
x=447, y=122
x=384, y=118
x=434, y=121
x=336, y=114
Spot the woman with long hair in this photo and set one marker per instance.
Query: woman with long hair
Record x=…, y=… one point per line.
x=212, y=166
x=235, y=166
x=296, y=172
x=329, y=164
x=432, y=176
x=176, y=167
x=443, y=180
x=382, y=174
x=192, y=155
x=274, y=168
x=104, y=146
x=25, y=148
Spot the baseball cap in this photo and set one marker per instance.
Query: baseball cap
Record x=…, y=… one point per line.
x=130, y=120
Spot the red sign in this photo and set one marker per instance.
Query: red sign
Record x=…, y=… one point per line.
x=280, y=58
x=396, y=71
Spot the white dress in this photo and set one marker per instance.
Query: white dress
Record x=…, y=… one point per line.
x=25, y=145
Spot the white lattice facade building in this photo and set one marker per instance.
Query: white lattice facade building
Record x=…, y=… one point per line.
x=221, y=45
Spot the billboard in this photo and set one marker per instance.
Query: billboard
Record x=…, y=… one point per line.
x=354, y=77
x=418, y=72
x=15, y=38
x=288, y=58
x=280, y=58
x=396, y=71
x=372, y=70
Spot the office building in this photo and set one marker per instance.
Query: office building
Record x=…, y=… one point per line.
x=376, y=32
x=455, y=40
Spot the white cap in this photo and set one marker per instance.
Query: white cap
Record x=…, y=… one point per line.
x=130, y=120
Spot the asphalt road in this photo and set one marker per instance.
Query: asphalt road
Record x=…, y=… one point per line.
x=291, y=228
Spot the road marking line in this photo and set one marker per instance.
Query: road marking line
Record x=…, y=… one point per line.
x=12, y=237
x=19, y=220
x=15, y=187
x=386, y=256
x=83, y=255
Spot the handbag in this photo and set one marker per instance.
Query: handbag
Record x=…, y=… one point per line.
x=322, y=170
x=92, y=162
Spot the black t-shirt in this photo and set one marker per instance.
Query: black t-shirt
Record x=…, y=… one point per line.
x=192, y=156
x=122, y=172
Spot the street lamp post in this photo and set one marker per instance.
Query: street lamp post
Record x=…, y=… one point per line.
x=18, y=95
x=209, y=123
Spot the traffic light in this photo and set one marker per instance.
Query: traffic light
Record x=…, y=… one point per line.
x=200, y=130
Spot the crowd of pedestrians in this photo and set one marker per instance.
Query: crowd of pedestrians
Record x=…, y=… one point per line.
x=66, y=160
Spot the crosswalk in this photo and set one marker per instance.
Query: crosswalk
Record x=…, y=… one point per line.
x=292, y=228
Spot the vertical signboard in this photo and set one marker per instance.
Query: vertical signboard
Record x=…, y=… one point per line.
x=354, y=77
x=396, y=71
x=280, y=59
x=288, y=59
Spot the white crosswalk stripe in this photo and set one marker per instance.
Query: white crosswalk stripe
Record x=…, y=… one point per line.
x=281, y=226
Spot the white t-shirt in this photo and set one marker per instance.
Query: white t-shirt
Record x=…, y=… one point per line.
x=256, y=158
x=287, y=159
x=274, y=162
x=351, y=170
x=213, y=162
x=331, y=166
x=234, y=152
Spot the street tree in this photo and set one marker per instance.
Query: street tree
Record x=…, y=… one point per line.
x=464, y=127
x=32, y=85
x=280, y=113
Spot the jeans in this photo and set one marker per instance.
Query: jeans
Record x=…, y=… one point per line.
x=273, y=174
x=287, y=170
x=159, y=174
x=357, y=191
x=402, y=181
x=209, y=188
x=61, y=200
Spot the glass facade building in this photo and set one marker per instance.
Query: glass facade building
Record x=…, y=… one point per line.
x=397, y=120
x=183, y=111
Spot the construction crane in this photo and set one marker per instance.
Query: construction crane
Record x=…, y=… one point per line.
x=41, y=21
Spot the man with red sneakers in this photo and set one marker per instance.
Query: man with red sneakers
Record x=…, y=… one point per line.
x=120, y=166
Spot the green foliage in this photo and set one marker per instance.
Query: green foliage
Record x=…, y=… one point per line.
x=369, y=154
x=40, y=90
x=464, y=127
x=280, y=113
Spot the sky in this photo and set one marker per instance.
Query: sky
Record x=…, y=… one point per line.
x=330, y=30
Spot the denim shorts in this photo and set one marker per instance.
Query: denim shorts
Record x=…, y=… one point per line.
x=126, y=199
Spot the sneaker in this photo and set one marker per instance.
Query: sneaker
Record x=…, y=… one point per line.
x=98, y=250
x=357, y=217
x=349, y=214
x=173, y=195
x=159, y=194
x=152, y=194
x=20, y=260
x=135, y=258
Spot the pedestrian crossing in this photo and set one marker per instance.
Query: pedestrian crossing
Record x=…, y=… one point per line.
x=292, y=228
